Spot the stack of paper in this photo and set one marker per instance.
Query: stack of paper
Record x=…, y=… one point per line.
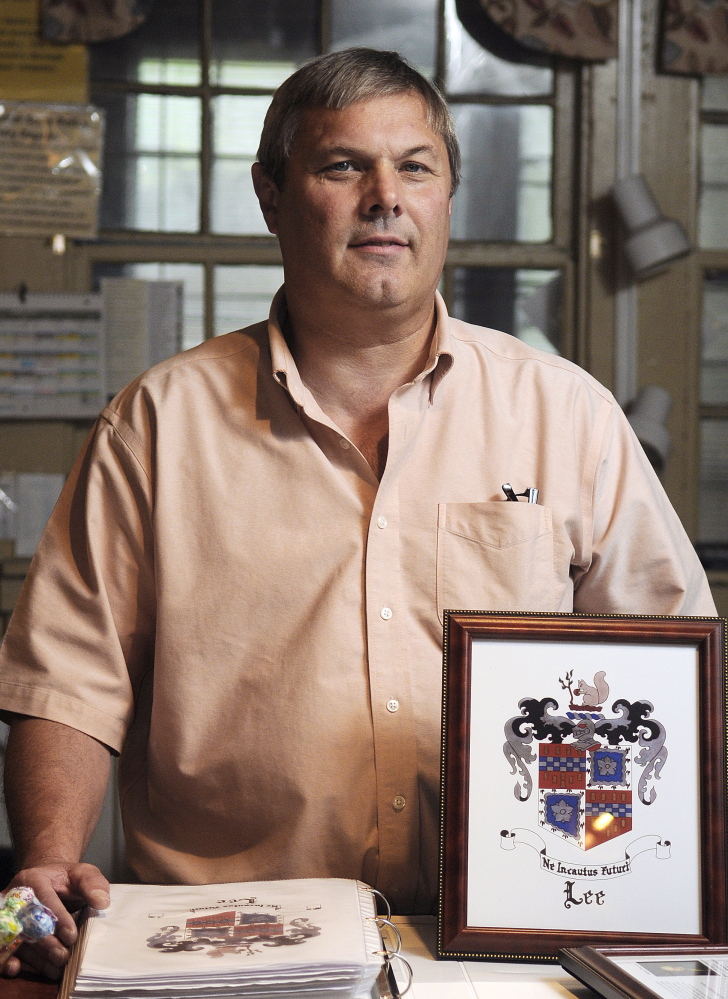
x=308, y=939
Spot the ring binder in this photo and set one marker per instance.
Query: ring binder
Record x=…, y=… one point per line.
x=157, y=940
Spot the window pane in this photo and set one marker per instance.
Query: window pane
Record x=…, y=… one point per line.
x=243, y=295
x=714, y=187
x=715, y=93
x=714, y=366
x=714, y=481
x=238, y=122
x=505, y=193
x=471, y=69
x=192, y=276
x=164, y=49
x=405, y=26
x=524, y=303
x=258, y=44
x=151, y=162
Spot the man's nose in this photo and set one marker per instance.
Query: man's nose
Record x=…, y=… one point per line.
x=382, y=193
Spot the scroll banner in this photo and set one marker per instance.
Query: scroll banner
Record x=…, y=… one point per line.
x=586, y=871
x=695, y=37
x=91, y=20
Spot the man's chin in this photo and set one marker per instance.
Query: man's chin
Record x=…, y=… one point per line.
x=381, y=293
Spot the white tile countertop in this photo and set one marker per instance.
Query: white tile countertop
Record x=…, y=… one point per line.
x=475, y=979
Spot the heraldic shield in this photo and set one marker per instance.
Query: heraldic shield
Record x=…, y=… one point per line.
x=585, y=795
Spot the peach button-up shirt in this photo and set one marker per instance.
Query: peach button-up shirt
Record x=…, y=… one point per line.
x=227, y=595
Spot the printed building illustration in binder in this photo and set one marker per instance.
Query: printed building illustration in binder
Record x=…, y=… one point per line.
x=591, y=770
x=233, y=932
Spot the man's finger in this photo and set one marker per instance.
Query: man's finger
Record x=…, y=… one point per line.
x=12, y=967
x=87, y=884
x=42, y=958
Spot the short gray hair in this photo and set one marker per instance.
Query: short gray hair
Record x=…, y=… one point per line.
x=337, y=80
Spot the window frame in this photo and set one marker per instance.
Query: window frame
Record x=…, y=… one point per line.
x=210, y=249
x=712, y=260
x=709, y=261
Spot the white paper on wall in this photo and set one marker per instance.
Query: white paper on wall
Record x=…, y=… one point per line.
x=143, y=323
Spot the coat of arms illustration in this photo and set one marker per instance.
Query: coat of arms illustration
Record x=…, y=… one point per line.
x=587, y=765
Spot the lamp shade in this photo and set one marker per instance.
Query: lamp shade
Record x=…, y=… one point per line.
x=653, y=241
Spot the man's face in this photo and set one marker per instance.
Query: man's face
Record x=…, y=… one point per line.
x=364, y=216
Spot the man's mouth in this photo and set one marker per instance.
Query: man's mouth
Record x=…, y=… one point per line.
x=380, y=242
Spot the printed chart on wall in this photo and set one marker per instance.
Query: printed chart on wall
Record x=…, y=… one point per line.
x=587, y=814
x=51, y=356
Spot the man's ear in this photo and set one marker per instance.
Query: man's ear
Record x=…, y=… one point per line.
x=268, y=197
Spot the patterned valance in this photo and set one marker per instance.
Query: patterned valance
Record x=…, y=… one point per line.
x=91, y=20
x=693, y=33
x=579, y=29
x=695, y=36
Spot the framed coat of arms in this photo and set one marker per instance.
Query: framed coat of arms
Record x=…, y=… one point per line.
x=584, y=783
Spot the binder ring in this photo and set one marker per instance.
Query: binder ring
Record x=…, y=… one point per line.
x=382, y=921
x=385, y=900
x=408, y=967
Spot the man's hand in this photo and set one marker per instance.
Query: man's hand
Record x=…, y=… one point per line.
x=55, y=781
x=64, y=888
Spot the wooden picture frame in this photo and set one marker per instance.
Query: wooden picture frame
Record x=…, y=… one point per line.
x=636, y=973
x=551, y=799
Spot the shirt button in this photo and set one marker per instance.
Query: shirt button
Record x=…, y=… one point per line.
x=344, y=443
x=386, y=613
x=381, y=522
x=398, y=803
x=393, y=704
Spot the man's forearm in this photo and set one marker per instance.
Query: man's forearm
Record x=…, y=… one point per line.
x=55, y=783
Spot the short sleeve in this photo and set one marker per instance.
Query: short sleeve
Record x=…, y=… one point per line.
x=642, y=560
x=82, y=635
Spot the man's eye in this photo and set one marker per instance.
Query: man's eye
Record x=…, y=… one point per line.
x=414, y=168
x=342, y=167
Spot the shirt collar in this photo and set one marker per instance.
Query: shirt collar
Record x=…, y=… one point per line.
x=285, y=372
x=284, y=367
x=440, y=359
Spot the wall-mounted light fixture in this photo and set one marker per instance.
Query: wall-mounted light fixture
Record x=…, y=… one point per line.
x=653, y=241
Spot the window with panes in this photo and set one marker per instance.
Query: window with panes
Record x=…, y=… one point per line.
x=185, y=96
x=713, y=258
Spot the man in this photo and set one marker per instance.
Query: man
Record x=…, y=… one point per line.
x=242, y=587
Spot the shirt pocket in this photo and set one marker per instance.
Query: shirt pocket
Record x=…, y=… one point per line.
x=495, y=556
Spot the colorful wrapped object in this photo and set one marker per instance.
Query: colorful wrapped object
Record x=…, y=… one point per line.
x=22, y=919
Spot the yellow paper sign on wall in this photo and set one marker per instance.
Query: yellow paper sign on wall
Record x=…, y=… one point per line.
x=32, y=69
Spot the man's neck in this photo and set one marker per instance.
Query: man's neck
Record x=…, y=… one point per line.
x=353, y=370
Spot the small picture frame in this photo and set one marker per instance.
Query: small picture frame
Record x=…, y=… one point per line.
x=583, y=784
x=653, y=973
